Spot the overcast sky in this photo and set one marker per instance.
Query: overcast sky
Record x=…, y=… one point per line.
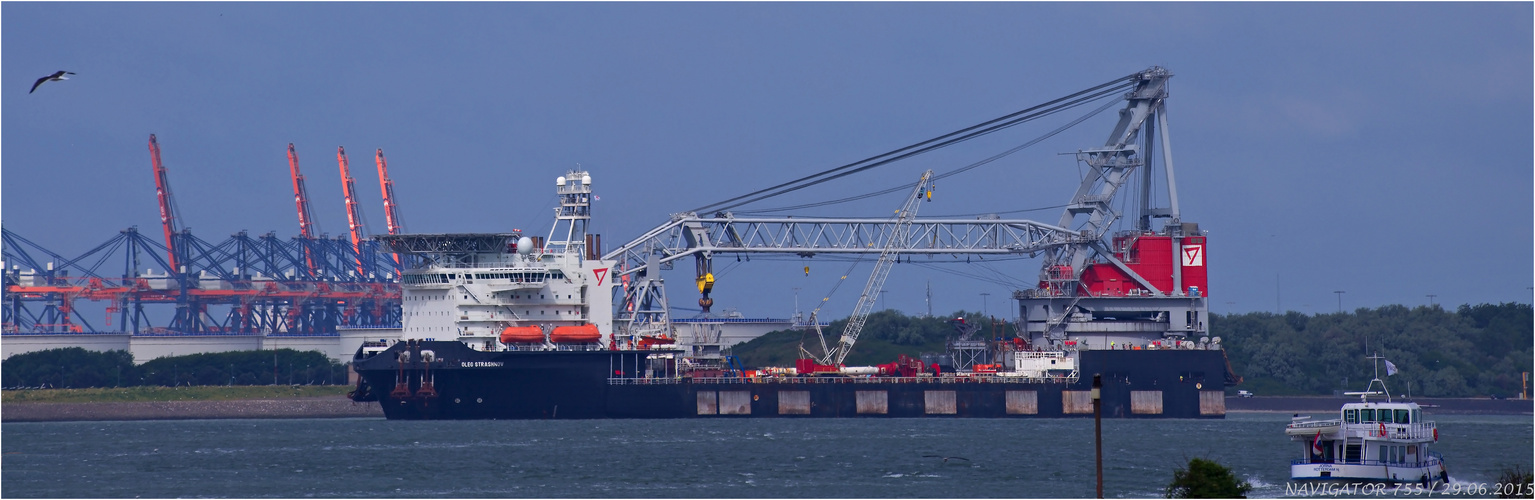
x=1375, y=148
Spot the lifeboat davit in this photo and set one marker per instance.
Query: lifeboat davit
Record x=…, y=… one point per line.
x=522, y=335
x=584, y=334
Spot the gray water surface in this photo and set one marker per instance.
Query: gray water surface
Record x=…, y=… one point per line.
x=794, y=458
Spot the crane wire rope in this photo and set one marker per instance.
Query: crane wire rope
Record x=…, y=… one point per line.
x=927, y=149
x=1114, y=86
x=974, y=276
x=950, y=173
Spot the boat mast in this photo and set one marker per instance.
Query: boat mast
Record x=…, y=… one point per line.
x=1366, y=393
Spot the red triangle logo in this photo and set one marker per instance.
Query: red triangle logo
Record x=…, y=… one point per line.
x=601, y=273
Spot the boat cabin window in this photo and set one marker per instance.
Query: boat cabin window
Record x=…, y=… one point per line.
x=1401, y=417
x=1417, y=415
x=1367, y=415
x=1384, y=416
x=1351, y=416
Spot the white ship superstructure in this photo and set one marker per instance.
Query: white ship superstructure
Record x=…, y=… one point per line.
x=1369, y=441
x=476, y=287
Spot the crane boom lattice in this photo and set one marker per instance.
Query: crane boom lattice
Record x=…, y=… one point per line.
x=882, y=267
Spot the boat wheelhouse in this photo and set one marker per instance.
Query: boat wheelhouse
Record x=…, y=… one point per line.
x=1387, y=441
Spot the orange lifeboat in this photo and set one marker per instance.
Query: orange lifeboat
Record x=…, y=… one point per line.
x=522, y=335
x=584, y=334
x=649, y=342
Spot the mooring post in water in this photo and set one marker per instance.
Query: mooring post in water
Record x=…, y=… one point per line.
x=1098, y=427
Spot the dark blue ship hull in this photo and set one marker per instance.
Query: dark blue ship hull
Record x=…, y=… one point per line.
x=462, y=383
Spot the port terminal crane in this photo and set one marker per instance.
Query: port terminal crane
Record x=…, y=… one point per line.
x=354, y=222
x=392, y=223
x=264, y=285
x=306, y=229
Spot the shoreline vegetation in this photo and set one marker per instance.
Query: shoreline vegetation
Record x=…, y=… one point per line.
x=160, y=393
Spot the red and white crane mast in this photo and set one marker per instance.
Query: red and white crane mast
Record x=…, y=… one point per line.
x=386, y=187
x=167, y=204
x=301, y=199
x=391, y=209
x=353, y=217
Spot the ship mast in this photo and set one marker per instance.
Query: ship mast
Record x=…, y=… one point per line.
x=574, y=214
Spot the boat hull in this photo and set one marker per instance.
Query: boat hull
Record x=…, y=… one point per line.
x=1370, y=472
x=467, y=384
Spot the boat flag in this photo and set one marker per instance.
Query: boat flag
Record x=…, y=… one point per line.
x=1316, y=444
x=1390, y=368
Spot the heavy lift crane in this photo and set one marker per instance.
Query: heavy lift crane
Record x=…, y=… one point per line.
x=1084, y=275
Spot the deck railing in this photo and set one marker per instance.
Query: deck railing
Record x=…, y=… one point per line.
x=1316, y=424
x=1414, y=431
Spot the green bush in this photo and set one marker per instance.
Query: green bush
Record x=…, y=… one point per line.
x=1520, y=479
x=1206, y=479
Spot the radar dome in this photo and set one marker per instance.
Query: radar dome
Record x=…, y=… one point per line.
x=559, y=181
x=524, y=245
x=586, y=179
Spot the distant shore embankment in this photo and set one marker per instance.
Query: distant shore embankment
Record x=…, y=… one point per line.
x=1441, y=406
x=310, y=407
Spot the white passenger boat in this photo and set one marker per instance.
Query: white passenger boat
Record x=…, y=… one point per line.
x=1376, y=441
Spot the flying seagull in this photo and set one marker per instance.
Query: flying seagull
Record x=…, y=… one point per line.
x=946, y=459
x=57, y=76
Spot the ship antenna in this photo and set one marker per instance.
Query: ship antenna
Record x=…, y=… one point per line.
x=1376, y=360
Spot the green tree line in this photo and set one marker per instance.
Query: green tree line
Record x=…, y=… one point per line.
x=77, y=368
x=1479, y=350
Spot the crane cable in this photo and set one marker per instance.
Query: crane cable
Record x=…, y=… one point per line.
x=950, y=173
x=923, y=150
x=1114, y=86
